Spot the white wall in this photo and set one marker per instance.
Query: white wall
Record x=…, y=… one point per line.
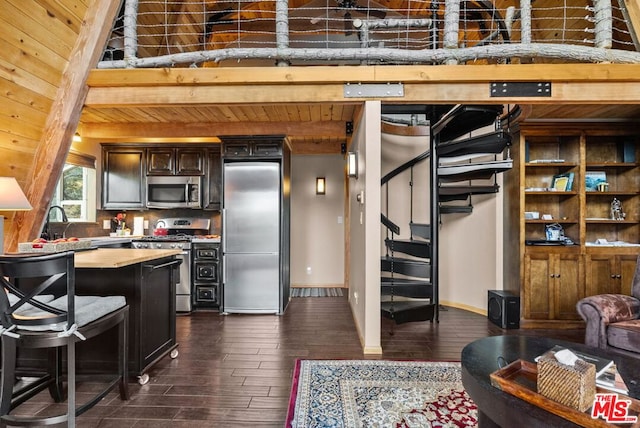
x=364, y=229
x=317, y=221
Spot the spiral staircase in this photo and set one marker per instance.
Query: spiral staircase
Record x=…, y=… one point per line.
x=457, y=162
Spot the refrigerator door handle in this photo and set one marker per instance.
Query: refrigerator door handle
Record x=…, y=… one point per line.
x=224, y=230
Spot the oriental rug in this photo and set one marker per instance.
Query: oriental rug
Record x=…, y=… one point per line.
x=379, y=393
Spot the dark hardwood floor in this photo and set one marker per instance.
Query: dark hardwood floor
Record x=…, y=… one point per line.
x=236, y=370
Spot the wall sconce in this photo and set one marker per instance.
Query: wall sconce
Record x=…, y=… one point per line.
x=321, y=185
x=12, y=198
x=352, y=164
x=76, y=138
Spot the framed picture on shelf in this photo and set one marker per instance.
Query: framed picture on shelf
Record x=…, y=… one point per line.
x=563, y=182
x=593, y=178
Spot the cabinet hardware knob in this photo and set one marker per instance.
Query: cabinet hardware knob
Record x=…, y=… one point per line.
x=618, y=276
x=613, y=276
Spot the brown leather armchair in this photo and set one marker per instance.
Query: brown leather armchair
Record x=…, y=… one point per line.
x=613, y=320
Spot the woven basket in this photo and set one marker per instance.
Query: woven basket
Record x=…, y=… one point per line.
x=573, y=386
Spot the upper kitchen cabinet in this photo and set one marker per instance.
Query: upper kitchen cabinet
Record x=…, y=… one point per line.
x=124, y=177
x=252, y=147
x=213, y=183
x=175, y=161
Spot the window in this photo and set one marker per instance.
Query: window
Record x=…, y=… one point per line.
x=76, y=190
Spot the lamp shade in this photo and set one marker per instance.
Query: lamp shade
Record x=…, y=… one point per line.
x=12, y=197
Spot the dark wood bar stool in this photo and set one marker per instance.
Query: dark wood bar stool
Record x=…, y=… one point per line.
x=39, y=309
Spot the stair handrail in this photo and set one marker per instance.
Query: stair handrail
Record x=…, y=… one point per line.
x=396, y=171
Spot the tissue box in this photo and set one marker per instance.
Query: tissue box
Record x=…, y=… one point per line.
x=573, y=386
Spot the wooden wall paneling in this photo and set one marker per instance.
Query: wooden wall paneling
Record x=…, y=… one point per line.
x=62, y=121
x=68, y=12
x=11, y=92
x=17, y=144
x=31, y=18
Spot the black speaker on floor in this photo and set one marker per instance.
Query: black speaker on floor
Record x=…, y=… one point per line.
x=503, y=309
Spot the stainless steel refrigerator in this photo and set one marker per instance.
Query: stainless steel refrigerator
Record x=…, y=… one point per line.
x=252, y=237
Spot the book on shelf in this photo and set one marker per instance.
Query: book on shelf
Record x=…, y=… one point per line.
x=563, y=182
x=593, y=178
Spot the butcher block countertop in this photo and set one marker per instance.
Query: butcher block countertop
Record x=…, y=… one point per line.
x=119, y=257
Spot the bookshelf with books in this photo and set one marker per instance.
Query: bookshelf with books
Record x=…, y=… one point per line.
x=573, y=175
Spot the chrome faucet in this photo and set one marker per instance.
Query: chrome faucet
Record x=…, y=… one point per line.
x=46, y=231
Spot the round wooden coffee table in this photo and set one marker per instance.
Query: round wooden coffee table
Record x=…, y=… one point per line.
x=500, y=409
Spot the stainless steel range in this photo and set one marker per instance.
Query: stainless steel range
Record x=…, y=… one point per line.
x=179, y=234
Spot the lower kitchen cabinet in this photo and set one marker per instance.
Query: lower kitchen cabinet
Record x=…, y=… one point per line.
x=149, y=288
x=553, y=283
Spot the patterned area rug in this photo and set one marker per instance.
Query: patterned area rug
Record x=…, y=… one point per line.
x=316, y=292
x=375, y=393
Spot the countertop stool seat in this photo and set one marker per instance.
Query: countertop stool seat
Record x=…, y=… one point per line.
x=39, y=309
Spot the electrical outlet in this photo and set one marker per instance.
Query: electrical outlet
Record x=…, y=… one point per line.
x=106, y=224
x=145, y=224
x=355, y=297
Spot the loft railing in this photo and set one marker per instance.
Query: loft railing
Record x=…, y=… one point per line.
x=161, y=33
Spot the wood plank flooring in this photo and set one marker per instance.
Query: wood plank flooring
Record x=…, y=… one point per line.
x=236, y=370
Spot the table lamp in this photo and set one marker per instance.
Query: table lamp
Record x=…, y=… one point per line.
x=12, y=198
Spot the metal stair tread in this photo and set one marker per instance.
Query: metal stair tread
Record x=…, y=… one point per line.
x=408, y=311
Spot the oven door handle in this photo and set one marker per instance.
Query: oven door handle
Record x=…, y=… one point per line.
x=163, y=265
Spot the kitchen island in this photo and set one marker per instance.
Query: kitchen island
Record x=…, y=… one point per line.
x=147, y=279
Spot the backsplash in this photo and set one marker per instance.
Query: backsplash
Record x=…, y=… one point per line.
x=84, y=230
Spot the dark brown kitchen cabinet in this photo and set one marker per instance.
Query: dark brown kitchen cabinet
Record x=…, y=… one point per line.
x=253, y=147
x=175, y=161
x=149, y=289
x=123, y=178
x=213, y=185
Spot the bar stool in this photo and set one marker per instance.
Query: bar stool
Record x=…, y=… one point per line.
x=39, y=309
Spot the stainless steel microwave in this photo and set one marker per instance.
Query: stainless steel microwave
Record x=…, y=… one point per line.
x=174, y=191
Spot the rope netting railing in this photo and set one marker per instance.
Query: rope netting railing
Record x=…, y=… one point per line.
x=161, y=33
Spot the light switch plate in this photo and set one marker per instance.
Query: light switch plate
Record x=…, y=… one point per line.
x=106, y=224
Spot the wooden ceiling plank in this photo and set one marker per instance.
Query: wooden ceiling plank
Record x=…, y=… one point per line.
x=62, y=121
x=15, y=94
x=26, y=80
x=30, y=65
x=23, y=41
x=30, y=18
x=68, y=12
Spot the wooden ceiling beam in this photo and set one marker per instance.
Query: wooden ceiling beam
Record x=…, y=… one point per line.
x=118, y=131
x=370, y=74
x=622, y=92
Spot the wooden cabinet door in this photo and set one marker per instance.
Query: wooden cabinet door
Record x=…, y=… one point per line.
x=537, y=286
x=124, y=180
x=610, y=273
x=553, y=285
x=213, y=188
x=189, y=161
x=568, y=285
x=160, y=161
x=601, y=274
x=627, y=269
